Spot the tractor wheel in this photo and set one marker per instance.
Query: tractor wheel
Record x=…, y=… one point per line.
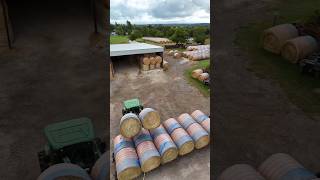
x=100, y=169
x=64, y=171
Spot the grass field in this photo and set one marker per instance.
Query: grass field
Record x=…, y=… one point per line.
x=299, y=88
x=202, y=88
x=119, y=40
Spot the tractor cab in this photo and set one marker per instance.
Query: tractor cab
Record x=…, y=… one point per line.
x=132, y=106
x=71, y=141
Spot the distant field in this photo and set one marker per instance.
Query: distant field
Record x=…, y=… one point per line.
x=119, y=40
x=301, y=89
x=202, y=88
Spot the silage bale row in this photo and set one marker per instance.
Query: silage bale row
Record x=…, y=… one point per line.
x=161, y=145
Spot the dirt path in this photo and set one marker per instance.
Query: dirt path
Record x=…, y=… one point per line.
x=52, y=75
x=171, y=95
x=253, y=118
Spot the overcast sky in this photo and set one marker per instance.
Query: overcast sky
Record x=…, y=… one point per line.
x=160, y=11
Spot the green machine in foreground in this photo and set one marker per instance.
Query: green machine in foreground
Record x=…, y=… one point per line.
x=132, y=106
x=71, y=141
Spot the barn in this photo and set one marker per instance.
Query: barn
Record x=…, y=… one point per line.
x=18, y=18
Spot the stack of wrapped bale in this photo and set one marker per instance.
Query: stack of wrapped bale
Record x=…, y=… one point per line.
x=150, y=61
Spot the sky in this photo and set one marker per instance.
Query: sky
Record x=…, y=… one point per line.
x=160, y=11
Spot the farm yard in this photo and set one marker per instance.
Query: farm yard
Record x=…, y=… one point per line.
x=170, y=93
x=161, y=79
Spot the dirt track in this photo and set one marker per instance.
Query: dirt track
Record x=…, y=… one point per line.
x=171, y=95
x=253, y=118
x=51, y=75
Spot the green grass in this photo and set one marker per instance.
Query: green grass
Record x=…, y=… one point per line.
x=119, y=40
x=299, y=88
x=202, y=88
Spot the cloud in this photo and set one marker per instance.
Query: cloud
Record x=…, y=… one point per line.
x=160, y=11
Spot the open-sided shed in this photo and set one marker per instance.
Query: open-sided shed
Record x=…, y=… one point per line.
x=134, y=49
x=119, y=52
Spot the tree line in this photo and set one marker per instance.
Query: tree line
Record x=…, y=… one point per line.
x=178, y=34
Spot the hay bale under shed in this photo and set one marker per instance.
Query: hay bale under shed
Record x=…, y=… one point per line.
x=146, y=60
x=274, y=38
x=158, y=59
x=145, y=67
x=298, y=48
x=153, y=60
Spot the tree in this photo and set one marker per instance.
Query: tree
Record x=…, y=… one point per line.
x=129, y=27
x=135, y=34
x=199, y=34
x=180, y=36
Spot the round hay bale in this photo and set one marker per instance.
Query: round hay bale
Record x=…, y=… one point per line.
x=64, y=171
x=240, y=172
x=121, y=142
x=130, y=125
x=127, y=164
x=100, y=170
x=195, y=130
x=152, y=66
x=206, y=125
x=196, y=73
x=199, y=135
x=203, y=76
x=145, y=67
x=165, y=145
x=144, y=135
x=274, y=38
x=146, y=60
x=202, y=119
x=153, y=60
x=189, y=48
x=158, y=59
x=298, y=48
x=150, y=118
x=183, y=141
x=165, y=65
x=185, y=120
x=177, y=55
x=158, y=65
x=149, y=156
x=180, y=137
x=282, y=166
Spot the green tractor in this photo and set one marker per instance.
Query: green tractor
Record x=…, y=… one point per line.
x=71, y=142
x=132, y=106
